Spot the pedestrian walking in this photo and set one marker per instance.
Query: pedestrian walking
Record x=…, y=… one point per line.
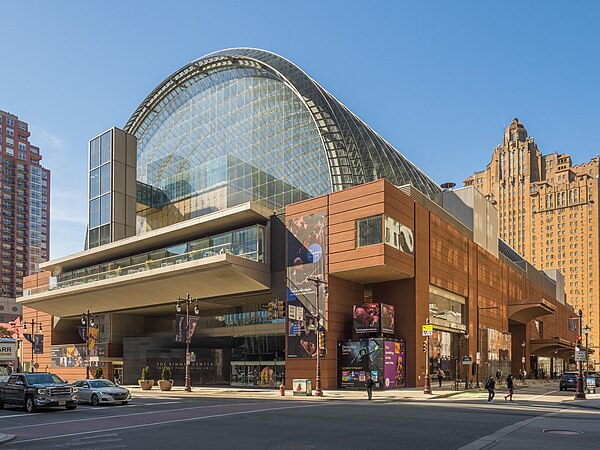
x=490, y=385
x=547, y=377
x=499, y=376
x=441, y=375
x=369, y=384
x=521, y=374
x=524, y=375
x=510, y=384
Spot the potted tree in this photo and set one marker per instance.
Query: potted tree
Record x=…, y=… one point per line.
x=165, y=383
x=99, y=373
x=146, y=382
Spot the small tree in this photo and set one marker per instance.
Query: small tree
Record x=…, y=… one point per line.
x=166, y=373
x=146, y=374
x=99, y=373
x=5, y=333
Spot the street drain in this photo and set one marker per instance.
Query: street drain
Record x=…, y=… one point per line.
x=563, y=432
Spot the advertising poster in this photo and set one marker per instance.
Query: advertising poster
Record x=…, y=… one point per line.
x=388, y=318
x=359, y=358
x=305, y=258
x=302, y=330
x=394, y=364
x=73, y=355
x=367, y=318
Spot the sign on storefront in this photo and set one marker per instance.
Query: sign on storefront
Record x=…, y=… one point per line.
x=8, y=351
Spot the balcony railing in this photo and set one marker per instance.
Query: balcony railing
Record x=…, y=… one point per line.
x=249, y=251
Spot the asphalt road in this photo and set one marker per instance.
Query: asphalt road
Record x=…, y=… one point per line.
x=190, y=422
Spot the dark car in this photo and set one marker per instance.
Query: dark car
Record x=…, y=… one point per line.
x=36, y=390
x=569, y=380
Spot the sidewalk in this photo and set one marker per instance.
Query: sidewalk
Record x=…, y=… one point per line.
x=273, y=394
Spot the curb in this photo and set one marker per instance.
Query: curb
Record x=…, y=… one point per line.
x=579, y=405
x=4, y=438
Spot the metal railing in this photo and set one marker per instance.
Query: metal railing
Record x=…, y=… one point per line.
x=249, y=251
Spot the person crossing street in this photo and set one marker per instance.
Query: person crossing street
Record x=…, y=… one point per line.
x=511, y=387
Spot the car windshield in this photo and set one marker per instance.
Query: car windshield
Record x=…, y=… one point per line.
x=43, y=378
x=94, y=384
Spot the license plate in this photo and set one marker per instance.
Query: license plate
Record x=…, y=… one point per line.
x=62, y=403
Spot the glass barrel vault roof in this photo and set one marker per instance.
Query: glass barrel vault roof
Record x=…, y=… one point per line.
x=281, y=134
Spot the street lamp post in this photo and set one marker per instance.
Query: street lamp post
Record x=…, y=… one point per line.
x=87, y=320
x=33, y=325
x=586, y=331
x=467, y=367
x=478, y=339
x=523, y=361
x=318, y=282
x=188, y=338
x=579, y=393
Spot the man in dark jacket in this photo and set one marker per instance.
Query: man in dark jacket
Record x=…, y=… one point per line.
x=369, y=384
x=490, y=385
x=510, y=384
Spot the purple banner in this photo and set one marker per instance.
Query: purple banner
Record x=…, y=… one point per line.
x=394, y=370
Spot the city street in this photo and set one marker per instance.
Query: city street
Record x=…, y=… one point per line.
x=536, y=419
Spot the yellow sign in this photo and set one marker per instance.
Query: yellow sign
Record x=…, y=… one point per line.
x=427, y=330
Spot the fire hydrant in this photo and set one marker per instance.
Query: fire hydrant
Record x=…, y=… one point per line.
x=282, y=390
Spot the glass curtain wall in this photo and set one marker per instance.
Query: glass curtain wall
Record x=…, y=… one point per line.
x=99, y=190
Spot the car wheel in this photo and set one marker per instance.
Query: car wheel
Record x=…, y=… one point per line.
x=95, y=400
x=124, y=403
x=29, y=404
x=71, y=407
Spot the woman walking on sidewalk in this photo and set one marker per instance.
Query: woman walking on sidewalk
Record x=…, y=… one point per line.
x=511, y=387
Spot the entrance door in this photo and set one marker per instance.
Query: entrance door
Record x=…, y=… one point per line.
x=118, y=374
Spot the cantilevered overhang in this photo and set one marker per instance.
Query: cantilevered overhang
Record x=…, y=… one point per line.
x=241, y=215
x=215, y=276
x=524, y=312
x=548, y=347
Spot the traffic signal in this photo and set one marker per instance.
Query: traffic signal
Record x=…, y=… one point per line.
x=281, y=305
x=425, y=346
x=270, y=311
x=321, y=341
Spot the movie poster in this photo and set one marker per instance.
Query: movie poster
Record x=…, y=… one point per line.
x=305, y=259
x=367, y=318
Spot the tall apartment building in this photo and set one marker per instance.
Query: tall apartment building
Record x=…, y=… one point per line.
x=25, y=197
x=548, y=211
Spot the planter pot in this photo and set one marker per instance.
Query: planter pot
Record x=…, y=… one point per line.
x=165, y=385
x=146, y=385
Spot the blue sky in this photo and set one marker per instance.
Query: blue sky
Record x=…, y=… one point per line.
x=438, y=80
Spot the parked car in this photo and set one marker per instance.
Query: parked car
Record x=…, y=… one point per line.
x=100, y=391
x=37, y=390
x=568, y=380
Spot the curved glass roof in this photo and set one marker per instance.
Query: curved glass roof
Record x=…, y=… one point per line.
x=253, y=121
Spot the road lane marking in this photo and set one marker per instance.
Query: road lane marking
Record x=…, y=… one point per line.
x=20, y=415
x=131, y=415
x=165, y=422
x=541, y=395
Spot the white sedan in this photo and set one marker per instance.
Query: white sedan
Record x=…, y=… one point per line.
x=101, y=391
